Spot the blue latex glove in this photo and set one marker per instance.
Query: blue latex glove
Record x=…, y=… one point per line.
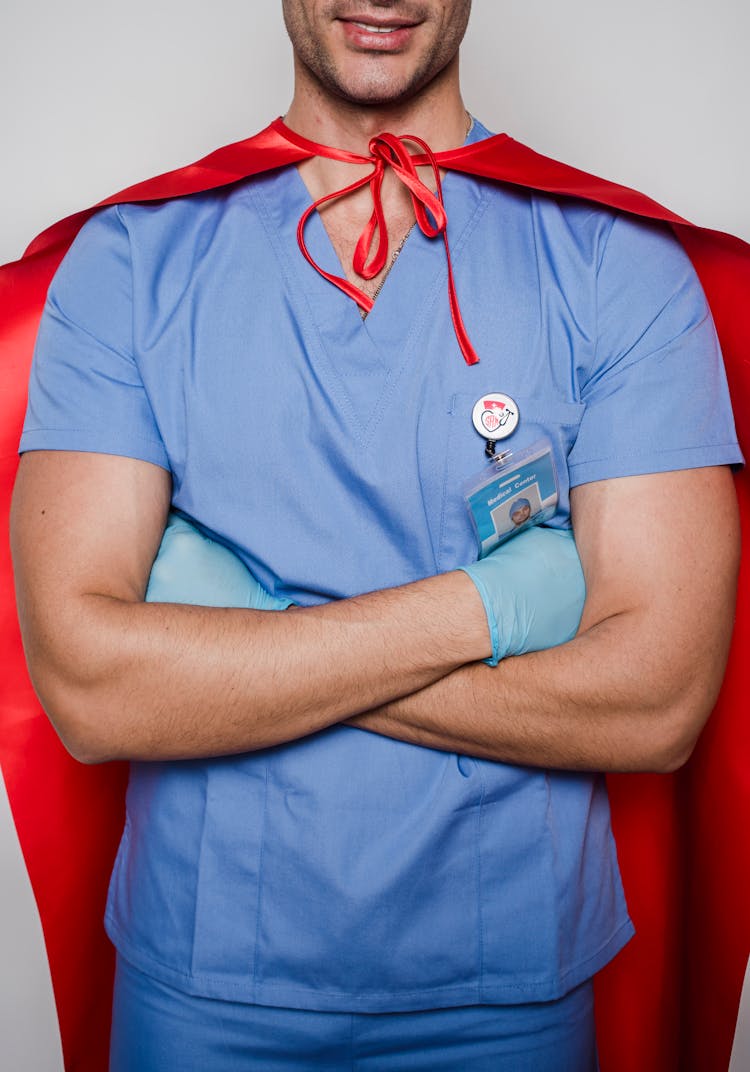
x=190, y=568
x=533, y=590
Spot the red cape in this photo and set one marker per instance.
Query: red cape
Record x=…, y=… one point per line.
x=669, y=1001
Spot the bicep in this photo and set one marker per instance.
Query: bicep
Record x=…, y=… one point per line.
x=662, y=550
x=82, y=524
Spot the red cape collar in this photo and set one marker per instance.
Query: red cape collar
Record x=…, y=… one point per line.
x=499, y=158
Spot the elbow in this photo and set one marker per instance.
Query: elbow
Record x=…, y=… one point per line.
x=658, y=753
x=83, y=752
x=674, y=709
x=675, y=734
x=86, y=748
x=672, y=758
x=78, y=719
x=84, y=743
x=75, y=666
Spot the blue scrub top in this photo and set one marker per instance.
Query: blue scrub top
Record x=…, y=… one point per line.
x=348, y=871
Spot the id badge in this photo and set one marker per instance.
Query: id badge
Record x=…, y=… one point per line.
x=511, y=493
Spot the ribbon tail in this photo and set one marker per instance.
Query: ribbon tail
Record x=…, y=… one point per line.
x=470, y=355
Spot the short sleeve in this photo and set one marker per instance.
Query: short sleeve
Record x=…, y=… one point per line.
x=85, y=389
x=656, y=396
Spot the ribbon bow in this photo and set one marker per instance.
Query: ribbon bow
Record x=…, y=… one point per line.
x=386, y=150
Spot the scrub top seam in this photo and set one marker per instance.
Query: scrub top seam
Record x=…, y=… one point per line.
x=197, y=888
x=554, y=985
x=45, y=430
x=259, y=899
x=552, y=855
x=361, y=323
x=300, y=302
x=462, y=241
x=612, y=373
x=446, y=477
x=427, y=303
x=334, y=379
x=480, y=914
x=583, y=377
x=729, y=446
x=393, y=375
x=408, y=350
x=537, y=259
x=673, y=458
x=134, y=448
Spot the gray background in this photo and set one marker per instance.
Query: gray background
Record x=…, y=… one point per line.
x=94, y=96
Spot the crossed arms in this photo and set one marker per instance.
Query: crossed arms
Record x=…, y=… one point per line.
x=121, y=678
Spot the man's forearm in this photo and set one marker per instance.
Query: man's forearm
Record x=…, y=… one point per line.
x=156, y=681
x=121, y=678
x=634, y=688
x=596, y=703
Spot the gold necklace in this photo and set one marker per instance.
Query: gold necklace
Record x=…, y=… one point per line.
x=402, y=243
x=394, y=258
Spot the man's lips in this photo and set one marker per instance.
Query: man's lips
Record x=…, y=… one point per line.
x=378, y=34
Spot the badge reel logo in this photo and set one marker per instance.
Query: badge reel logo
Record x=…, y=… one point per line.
x=495, y=416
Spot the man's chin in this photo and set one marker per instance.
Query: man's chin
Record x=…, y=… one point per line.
x=374, y=100
x=377, y=93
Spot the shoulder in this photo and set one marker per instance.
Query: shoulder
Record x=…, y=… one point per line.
x=178, y=220
x=150, y=221
x=142, y=238
x=588, y=227
x=606, y=237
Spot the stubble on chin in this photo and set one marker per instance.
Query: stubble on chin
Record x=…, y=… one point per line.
x=371, y=78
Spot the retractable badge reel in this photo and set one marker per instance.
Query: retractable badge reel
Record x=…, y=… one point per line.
x=495, y=417
x=515, y=489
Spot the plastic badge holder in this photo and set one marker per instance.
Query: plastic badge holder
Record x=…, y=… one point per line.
x=511, y=493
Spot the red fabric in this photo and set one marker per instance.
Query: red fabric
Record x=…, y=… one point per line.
x=669, y=1001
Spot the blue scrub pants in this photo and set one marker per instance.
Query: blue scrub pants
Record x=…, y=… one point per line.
x=156, y=1028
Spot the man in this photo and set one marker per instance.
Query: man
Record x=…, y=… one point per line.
x=520, y=512
x=374, y=893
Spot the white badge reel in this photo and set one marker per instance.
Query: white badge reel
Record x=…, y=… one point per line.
x=495, y=416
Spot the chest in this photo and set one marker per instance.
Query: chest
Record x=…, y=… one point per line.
x=329, y=452
x=344, y=231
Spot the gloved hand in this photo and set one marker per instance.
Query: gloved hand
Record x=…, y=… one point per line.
x=190, y=568
x=533, y=590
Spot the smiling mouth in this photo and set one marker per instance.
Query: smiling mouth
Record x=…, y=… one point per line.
x=369, y=28
x=381, y=36
x=380, y=25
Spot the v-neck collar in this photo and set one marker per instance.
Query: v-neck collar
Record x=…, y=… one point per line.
x=365, y=359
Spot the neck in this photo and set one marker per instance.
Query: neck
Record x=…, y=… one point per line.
x=437, y=115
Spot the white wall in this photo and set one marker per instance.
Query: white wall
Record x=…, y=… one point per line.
x=96, y=95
